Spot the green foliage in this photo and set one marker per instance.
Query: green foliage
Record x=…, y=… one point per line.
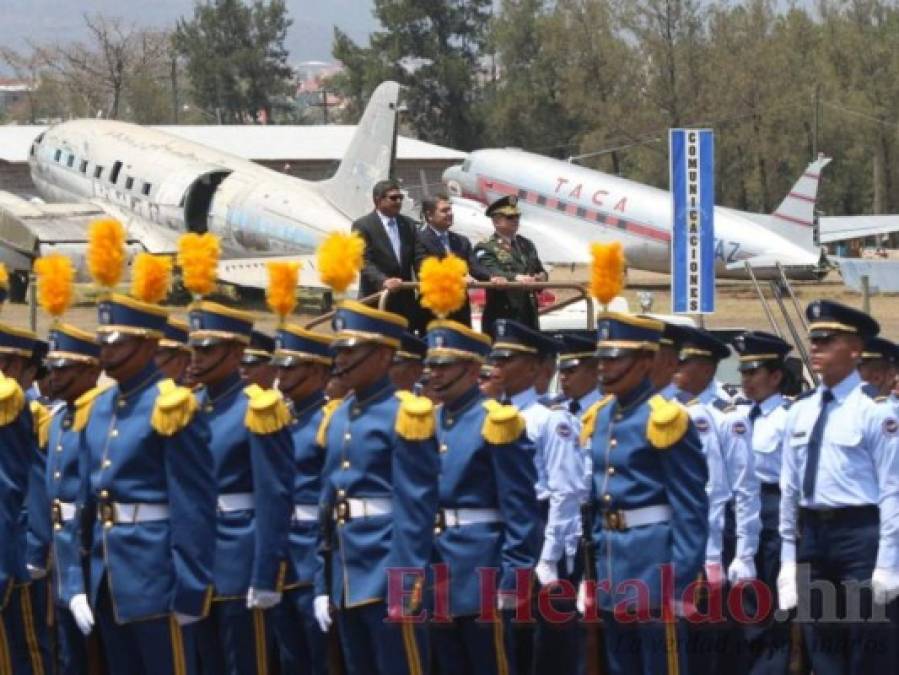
x=235, y=56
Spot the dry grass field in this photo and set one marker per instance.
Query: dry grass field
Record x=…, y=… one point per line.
x=737, y=303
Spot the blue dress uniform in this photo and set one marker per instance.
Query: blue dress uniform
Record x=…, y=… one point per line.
x=151, y=477
x=380, y=479
x=252, y=455
x=648, y=492
x=302, y=644
x=769, y=640
x=839, y=510
x=487, y=517
x=19, y=652
x=63, y=490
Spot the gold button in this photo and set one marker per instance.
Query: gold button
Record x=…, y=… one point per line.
x=59, y=448
x=114, y=433
x=611, y=470
x=449, y=420
x=607, y=498
x=107, y=524
x=57, y=475
x=345, y=464
x=341, y=493
x=443, y=448
x=346, y=436
x=209, y=408
x=107, y=463
x=104, y=494
x=122, y=403
x=617, y=417
x=57, y=527
x=613, y=443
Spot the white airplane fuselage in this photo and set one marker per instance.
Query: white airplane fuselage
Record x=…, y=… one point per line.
x=563, y=201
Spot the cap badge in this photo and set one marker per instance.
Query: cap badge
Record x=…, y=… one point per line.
x=816, y=310
x=439, y=340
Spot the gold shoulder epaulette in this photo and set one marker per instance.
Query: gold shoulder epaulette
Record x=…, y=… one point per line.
x=84, y=404
x=174, y=409
x=667, y=424
x=503, y=423
x=321, y=436
x=588, y=419
x=415, y=418
x=267, y=412
x=41, y=417
x=12, y=400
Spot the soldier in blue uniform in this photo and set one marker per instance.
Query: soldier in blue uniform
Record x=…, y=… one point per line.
x=256, y=365
x=839, y=509
x=380, y=483
x=251, y=450
x=763, y=375
x=408, y=363
x=648, y=494
x=74, y=363
x=487, y=517
x=19, y=649
x=303, y=361
x=150, y=482
x=173, y=355
x=878, y=366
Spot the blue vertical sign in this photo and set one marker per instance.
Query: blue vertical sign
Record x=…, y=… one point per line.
x=692, y=158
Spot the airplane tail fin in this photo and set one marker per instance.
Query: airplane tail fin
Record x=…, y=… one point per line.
x=794, y=219
x=369, y=156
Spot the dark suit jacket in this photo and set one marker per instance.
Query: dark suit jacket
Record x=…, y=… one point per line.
x=380, y=263
x=427, y=244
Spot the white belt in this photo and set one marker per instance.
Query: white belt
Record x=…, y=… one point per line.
x=366, y=507
x=648, y=515
x=461, y=517
x=236, y=501
x=305, y=513
x=117, y=513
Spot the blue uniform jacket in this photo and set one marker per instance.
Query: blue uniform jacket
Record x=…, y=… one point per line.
x=251, y=545
x=157, y=567
x=309, y=459
x=17, y=450
x=366, y=457
x=477, y=474
x=630, y=473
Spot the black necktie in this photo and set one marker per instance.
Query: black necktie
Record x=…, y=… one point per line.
x=574, y=407
x=814, y=446
x=755, y=412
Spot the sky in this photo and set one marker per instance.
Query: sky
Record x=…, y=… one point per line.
x=61, y=21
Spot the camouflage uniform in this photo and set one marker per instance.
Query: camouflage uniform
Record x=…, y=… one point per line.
x=507, y=260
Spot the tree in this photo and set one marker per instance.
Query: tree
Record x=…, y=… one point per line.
x=235, y=56
x=434, y=49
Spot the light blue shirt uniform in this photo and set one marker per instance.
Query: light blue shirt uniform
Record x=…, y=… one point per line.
x=858, y=463
x=536, y=416
x=767, y=437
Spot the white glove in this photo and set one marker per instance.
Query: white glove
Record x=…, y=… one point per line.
x=714, y=574
x=81, y=612
x=546, y=572
x=258, y=599
x=36, y=572
x=741, y=570
x=581, y=602
x=321, y=607
x=787, y=592
x=186, y=619
x=885, y=584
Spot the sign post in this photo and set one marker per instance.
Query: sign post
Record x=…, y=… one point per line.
x=692, y=183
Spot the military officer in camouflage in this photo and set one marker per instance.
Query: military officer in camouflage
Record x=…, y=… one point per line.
x=509, y=256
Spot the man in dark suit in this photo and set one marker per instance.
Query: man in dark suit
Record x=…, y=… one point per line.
x=436, y=239
x=389, y=251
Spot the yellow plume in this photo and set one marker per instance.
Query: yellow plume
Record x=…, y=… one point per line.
x=151, y=277
x=4, y=276
x=106, y=251
x=198, y=257
x=607, y=271
x=442, y=284
x=55, y=274
x=281, y=293
x=340, y=259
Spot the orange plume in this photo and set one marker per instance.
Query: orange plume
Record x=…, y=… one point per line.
x=106, y=251
x=55, y=275
x=281, y=293
x=607, y=271
x=151, y=278
x=198, y=257
x=443, y=288
x=340, y=259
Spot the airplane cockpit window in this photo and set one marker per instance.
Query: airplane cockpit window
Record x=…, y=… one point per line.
x=57, y=155
x=114, y=174
x=83, y=166
x=70, y=162
x=466, y=165
x=146, y=189
x=129, y=183
x=98, y=172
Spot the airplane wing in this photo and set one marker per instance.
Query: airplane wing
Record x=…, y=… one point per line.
x=838, y=228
